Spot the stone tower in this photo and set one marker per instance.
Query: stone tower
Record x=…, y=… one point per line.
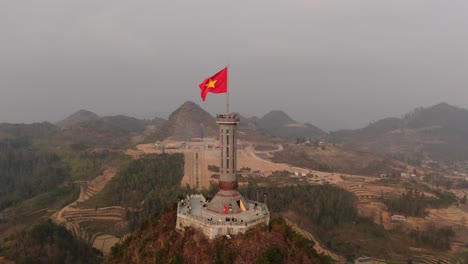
x=228, y=199
x=228, y=213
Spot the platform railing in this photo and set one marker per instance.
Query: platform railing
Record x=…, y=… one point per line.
x=204, y=221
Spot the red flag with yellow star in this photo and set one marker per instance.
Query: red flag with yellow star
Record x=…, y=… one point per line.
x=217, y=83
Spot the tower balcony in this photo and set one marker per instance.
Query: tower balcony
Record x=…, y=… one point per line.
x=227, y=118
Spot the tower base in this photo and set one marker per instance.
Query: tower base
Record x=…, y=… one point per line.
x=228, y=201
x=194, y=212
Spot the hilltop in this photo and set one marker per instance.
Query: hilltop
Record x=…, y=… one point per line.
x=278, y=124
x=439, y=132
x=78, y=117
x=163, y=244
x=186, y=122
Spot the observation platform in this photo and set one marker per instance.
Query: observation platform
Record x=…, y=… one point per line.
x=227, y=118
x=193, y=212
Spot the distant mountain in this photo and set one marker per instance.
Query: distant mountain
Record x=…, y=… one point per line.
x=87, y=128
x=442, y=114
x=187, y=122
x=190, y=121
x=126, y=123
x=97, y=133
x=279, y=124
x=77, y=117
x=276, y=118
x=439, y=132
x=248, y=124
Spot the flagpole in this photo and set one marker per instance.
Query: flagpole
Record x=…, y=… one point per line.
x=227, y=94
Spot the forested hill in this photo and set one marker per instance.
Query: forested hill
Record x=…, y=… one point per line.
x=151, y=183
x=48, y=243
x=327, y=207
x=26, y=171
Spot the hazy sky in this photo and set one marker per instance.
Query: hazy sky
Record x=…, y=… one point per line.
x=336, y=64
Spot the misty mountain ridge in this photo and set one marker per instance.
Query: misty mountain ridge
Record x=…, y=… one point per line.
x=83, y=128
x=191, y=121
x=438, y=132
x=119, y=122
x=86, y=127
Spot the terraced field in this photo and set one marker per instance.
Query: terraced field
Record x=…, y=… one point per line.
x=102, y=224
x=364, y=190
x=441, y=259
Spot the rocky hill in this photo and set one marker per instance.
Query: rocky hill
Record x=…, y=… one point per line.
x=157, y=241
x=439, y=132
x=187, y=122
x=278, y=124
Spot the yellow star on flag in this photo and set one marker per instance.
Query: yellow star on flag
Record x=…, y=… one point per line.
x=211, y=83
